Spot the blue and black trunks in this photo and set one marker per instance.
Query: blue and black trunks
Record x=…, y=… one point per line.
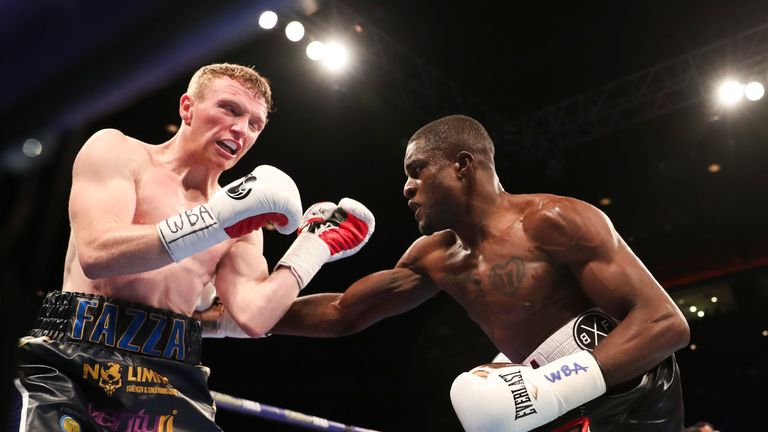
x=93, y=363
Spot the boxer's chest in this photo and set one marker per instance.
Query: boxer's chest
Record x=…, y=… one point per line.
x=505, y=273
x=159, y=195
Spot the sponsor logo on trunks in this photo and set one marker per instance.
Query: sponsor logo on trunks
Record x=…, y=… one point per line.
x=145, y=333
x=110, y=377
x=132, y=421
x=242, y=189
x=68, y=424
x=523, y=405
x=138, y=379
x=591, y=328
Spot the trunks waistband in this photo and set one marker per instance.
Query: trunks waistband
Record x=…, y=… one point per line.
x=584, y=332
x=117, y=324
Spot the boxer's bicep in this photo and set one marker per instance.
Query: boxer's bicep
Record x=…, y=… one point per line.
x=580, y=237
x=615, y=280
x=102, y=207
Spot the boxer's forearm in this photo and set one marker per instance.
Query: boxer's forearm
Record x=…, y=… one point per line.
x=120, y=250
x=642, y=341
x=314, y=315
x=256, y=307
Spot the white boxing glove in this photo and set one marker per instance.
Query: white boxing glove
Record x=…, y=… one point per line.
x=265, y=196
x=207, y=297
x=519, y=398
x=501, y=358
x=223, y=325
x=327, y=233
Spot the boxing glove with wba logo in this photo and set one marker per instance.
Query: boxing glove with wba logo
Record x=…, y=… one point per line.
x=265, y=196
x=328, y=232
x=516, y=398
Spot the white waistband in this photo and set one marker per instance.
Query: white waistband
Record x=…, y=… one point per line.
x=583, y=332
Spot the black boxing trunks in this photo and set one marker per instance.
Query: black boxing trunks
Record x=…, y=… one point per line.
x=93, y=363
x=652, y=402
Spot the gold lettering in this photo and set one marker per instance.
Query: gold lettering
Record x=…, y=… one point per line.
x=149, y=375
x=90, y=370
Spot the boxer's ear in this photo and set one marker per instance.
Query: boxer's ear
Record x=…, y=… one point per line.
x=185, y=108
x=464, y=161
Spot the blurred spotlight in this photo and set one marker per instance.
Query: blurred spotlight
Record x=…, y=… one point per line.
x=714, y=168
x=172, y=128
x=605, y=201
x=693, y=347
x=336, y=56
x=294, y=31
x=268, y=20
x=754, y=91
x=32, y=148
x=316, y=50
x=700, y=314
x=713, y=299
x=765, y=332
x=693, y=308
x=358, y=28
x=730, y=92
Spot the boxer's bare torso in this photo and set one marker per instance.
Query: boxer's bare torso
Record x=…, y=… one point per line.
x=159, y=192
x=514, y=291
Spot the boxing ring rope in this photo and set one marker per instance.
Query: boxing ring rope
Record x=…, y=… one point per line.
x=249, y=407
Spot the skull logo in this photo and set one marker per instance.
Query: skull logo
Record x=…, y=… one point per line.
x=111, y=377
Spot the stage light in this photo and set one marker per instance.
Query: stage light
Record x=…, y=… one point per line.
x=754, y=91
x=316, y=50
x=730, y=92
x=336, y=56
x=32, y=148
x=294, y=31
x=268, y=20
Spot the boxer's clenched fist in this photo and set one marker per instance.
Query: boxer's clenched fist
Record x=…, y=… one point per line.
x=264, y=196
x=327, y=233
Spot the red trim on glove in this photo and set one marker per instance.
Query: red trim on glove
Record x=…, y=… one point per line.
x=347, y=236
x=580, y=424
x=253, y=223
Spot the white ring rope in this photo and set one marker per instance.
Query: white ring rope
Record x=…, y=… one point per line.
x=245, y=406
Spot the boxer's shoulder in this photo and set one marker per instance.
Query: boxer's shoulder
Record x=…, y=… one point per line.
x=429, y=248
x=111, y=144
x=556, y=221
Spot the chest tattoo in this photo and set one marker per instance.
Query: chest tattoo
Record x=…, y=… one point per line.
x=506, y=278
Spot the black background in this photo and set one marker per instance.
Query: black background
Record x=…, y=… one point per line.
x=74, y=67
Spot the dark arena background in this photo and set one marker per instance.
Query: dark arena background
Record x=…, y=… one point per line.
x=620, y=104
